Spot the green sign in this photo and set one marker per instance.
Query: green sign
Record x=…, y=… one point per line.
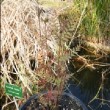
x=13, y=90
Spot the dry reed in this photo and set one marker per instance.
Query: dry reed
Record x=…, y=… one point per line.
x=27, y=34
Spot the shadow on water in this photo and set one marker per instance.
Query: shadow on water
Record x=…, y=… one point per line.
x=92, y=87
x=91, y=84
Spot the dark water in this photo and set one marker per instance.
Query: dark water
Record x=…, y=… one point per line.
x=92, y=87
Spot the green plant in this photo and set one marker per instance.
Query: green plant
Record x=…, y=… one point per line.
x=96, y=19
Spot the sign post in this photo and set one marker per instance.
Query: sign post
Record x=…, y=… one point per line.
x=14, y=91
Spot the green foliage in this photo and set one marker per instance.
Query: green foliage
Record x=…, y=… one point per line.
x=96, y=21
x=90, y=22
x=103, y=15
x=68, y=19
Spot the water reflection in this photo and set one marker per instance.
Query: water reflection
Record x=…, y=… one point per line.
x=92, y=87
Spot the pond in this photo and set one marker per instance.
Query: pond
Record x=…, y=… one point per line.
x=92, y=88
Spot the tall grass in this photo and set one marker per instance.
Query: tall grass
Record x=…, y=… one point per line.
x=103, y=15
x=96, y=21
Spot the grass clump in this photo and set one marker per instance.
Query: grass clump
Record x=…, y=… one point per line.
x=29, y=49
x=96, y=19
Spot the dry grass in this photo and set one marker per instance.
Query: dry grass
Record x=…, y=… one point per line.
x=28, y=34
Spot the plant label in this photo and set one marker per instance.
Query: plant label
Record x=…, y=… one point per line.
x=13, y=90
